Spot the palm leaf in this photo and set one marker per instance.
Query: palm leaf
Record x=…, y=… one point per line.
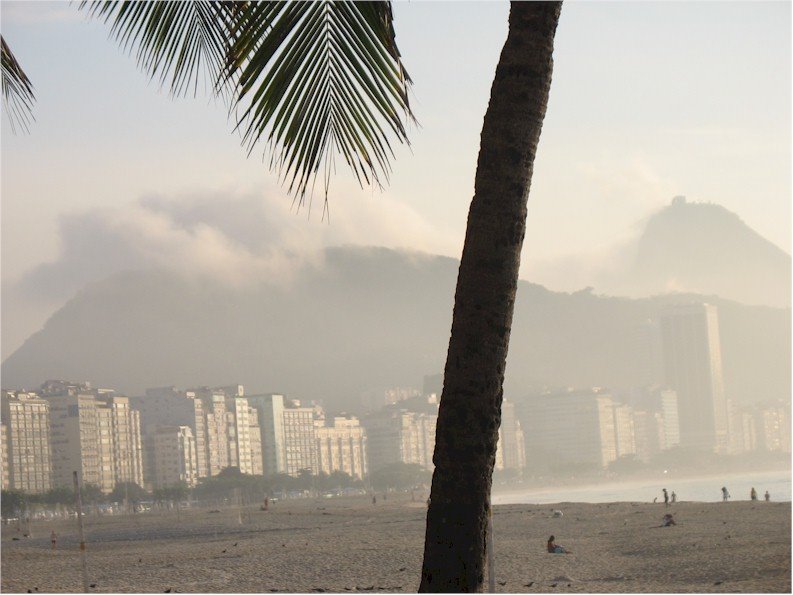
x=181, y=43
x=312, y=80
x=319, y=79
x=18, y=95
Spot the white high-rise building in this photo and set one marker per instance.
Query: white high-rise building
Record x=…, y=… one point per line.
x=27, y=456
x=511, y=450
x=224, y=426
x=300, y=440
x=270, y=410
x=172, y=454
x=575, y=427
x=5, y=479
x=400, y=436
x=693, y=368
x=624, y=434
x=168, y=406
x=773, y=427
x=341, y=446
x=93, y=432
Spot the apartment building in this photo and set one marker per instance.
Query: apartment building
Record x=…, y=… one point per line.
x=400, y=436
x=172, y=456
x=511, y=448
x=574, y=427
x=94, y=432
x=270, y=411
x=225, y=427
x=168, y=406
x=624, y=431
x=300, y=440
x=5, y=478
x=341, y=446
x=26, y=442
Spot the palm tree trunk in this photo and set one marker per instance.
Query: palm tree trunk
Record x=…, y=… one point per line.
x=470, y=410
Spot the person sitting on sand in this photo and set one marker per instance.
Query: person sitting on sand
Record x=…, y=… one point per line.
x=556, y=549
x=668, y=521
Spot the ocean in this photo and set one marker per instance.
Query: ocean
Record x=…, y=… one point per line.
x=702, y=489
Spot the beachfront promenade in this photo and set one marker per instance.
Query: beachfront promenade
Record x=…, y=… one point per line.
x=348, y=545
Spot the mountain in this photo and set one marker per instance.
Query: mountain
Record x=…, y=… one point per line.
x=705, y=248
x=363, y=320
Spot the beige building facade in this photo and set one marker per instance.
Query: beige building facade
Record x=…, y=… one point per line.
x=26, y=419
x=172, y=452
x=95, y=433
x=300, y=441
x=341, y=446
x=6, y=477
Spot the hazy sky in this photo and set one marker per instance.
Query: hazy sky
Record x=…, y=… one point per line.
x=649, y=100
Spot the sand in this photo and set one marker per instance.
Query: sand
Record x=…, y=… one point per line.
x=349, y=545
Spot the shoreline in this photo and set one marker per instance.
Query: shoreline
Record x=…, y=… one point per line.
x=522, y=494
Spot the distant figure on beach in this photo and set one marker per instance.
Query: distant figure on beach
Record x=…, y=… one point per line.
x=556, y=549
x=753, y=494
x=666, y=497
x=674, y=497
x=668, y=520
x=655, y=499
x=725, y=495
x=767, y=496
x=54, y=539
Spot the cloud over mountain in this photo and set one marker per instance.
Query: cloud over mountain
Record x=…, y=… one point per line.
x=232, y=240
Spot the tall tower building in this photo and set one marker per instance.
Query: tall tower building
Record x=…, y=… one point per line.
x=26, y=420
x=6, y=476
x=511, y=450
x=75, y=438
x=300, y=440
x=624, y=430
x=270, y=412
x=692, y=367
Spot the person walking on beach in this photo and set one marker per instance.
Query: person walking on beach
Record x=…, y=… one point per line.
x=725, y=495
x=753, y=494
x=666, y=497
x=674, y=497
x=556, y=549
x=767, y=496
x=54, y=539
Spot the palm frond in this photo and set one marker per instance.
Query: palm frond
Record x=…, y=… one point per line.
x=311, y=79
x=318, y=79
x=17, y=90
x=181, y=43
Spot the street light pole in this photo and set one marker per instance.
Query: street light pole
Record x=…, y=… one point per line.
x=79, y=503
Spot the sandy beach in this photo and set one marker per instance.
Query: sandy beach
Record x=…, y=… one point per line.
x=348, y=545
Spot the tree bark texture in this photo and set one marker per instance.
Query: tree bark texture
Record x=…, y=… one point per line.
x=470, y=409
